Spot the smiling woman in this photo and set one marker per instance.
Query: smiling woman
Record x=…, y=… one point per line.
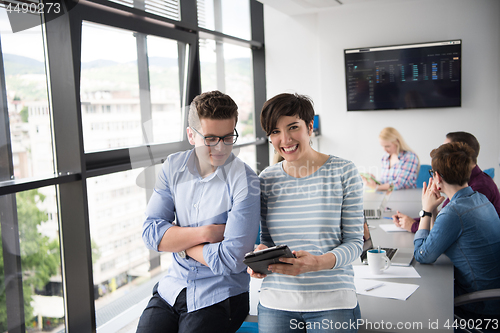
x=288, y=121
x=311, y=202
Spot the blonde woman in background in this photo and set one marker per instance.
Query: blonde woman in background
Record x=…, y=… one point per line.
x=399, y=164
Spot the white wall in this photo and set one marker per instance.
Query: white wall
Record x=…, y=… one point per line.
x=304, y=54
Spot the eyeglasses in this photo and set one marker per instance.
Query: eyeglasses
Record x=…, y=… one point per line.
x=213, y=140
x=431, y=172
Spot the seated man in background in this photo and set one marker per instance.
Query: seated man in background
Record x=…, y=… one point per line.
x=467, y=230
x=214, y=199
x=479, y=181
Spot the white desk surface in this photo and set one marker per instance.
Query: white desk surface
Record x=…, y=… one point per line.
x=432, y=302
x=413, y=195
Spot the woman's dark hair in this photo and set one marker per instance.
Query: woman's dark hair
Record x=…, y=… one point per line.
x=285, y=105
x=467, y=138
x=453, y=162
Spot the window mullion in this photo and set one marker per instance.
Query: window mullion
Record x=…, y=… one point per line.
x=259, y=78
x=63, y=51
x=181, y=51
x=219, y=48
x=12, y=264
x=144, y=88
x=9, y=222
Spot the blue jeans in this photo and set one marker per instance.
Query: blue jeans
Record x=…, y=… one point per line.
x=278, y=321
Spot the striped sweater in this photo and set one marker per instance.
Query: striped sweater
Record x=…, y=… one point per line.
x=320, y=213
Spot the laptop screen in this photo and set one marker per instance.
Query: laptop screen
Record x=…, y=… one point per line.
x=397, y=258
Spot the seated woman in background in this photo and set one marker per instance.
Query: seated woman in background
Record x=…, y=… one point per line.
x=313, y=203
x=467, y=230
x=399, y=164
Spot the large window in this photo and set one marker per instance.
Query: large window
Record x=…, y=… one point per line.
x=27, y=100
x=109, y=91
x=111, y=95
x=91, y=104
x=165, y=85
x=231, y=17
x=228, y=67
x=35, y=237
x=120, y=261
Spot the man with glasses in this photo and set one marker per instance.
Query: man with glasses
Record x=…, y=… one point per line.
x=205, y=208
x=479, y=181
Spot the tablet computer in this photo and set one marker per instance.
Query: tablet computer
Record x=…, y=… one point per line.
x=259, y=260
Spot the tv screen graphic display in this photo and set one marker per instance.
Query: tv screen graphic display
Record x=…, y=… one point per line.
x=424, y=75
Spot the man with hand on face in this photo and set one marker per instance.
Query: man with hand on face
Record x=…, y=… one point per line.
x=479, y=181
x=205, y=208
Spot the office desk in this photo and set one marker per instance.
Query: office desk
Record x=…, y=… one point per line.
x=431, y=303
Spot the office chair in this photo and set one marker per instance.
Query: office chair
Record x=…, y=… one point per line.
x=423, y=174
x=476, y=296
x=490, y=172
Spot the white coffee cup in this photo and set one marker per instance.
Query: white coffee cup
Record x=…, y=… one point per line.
x=378, y=261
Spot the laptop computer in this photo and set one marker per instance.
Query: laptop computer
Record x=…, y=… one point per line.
x=376, y=212
x=398, y=257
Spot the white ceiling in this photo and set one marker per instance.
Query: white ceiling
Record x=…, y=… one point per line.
x=298, y=7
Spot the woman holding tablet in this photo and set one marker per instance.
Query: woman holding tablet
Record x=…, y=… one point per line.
x=313, y=203
x=399, y=164
x=467, y=230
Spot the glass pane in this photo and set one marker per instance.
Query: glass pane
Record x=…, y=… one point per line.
x=231, y=17
x=239, y=85
x=233, y=76
x=248, y=155
x=208, y=65
x=163, y=60
x=111, y=113
x=124, y=273
x=38, y=238
x=111, y=102
x=27, y=98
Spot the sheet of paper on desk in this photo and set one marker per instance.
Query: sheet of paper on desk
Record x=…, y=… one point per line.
x=363, y=272
x=400, y=291
x=392, y=228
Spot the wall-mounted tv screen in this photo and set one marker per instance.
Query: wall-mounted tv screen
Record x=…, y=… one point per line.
x=425, y=75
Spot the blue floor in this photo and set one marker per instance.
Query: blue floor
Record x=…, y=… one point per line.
x=248, y=327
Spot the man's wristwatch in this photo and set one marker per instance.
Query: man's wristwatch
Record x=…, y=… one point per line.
x=182, y=254
x=424, y=213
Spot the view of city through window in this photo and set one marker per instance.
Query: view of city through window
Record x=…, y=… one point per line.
x=32, y=156
x=112, y=110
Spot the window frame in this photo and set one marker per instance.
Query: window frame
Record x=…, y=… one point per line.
x=74, y=166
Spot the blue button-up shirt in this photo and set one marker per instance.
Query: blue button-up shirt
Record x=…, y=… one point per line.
x=230, y=196
x=467, y=230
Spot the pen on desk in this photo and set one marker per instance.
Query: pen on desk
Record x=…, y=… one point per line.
x=387, y=218
x=375, y=287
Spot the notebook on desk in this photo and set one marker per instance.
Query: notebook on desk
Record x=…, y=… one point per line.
x=375, y=212
x=398, y=257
